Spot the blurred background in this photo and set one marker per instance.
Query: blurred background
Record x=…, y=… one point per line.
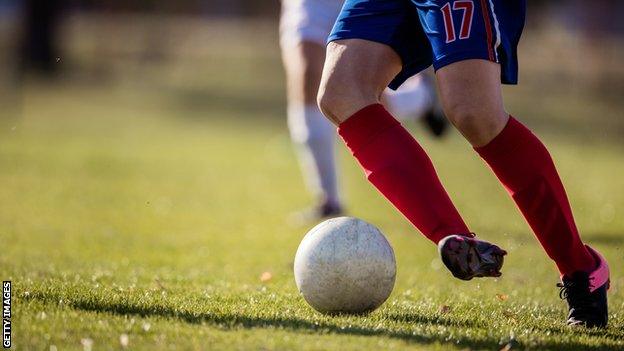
x=97, y=97
x=198, y=56
x=144, y=148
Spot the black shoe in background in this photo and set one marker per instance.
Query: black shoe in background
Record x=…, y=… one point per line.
x=436, y=122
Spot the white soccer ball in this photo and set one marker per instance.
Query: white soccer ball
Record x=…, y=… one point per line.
x=345, y=265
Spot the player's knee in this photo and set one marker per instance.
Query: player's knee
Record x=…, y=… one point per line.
x=328, y=101
x=460, y=115
x=340, y=97
x=356, y=73
x=479, y=125
x=334, y=98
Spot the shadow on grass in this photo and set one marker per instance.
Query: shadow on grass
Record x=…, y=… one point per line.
x=294, y=323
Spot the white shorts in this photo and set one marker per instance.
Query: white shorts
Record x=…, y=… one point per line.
x=307, y=20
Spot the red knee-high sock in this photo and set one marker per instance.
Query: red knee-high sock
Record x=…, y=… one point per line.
x=522, y=163
x=401, y=170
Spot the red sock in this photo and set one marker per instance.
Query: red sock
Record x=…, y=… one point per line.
x=524, y=166
x=401, y=170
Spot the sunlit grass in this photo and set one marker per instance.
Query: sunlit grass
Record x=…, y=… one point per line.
x=125, y=221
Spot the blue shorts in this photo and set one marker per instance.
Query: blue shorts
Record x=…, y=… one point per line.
x=438, y=32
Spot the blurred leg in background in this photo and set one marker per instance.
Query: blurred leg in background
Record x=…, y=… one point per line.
x=304, y=28
x=417, y=99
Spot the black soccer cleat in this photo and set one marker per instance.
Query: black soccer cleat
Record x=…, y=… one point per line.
x=321, y=211
x=467, y=257
x=435, y=122
x=586, y=294
x=327, y=210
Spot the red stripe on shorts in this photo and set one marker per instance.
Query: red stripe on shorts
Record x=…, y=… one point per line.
x=488, y=28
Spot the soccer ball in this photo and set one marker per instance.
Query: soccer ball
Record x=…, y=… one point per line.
x=345, y=265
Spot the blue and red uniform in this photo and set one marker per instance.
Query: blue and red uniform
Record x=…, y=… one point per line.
x=438, y=32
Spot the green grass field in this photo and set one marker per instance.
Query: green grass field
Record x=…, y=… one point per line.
x=144, y=219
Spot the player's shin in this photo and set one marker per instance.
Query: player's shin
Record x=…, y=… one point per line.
x=401, y=170
x=524, y=166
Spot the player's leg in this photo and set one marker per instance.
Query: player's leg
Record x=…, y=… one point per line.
x=302, y=35
x=392, y=160
x=472, y=99
x=344, y=88
x=417, y=99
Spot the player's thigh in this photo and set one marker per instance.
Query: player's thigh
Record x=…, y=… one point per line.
x=355, y=74
x=471, y=95
x=474, y=44
x=303, y=64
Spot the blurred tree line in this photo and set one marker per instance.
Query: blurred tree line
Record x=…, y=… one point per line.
x=40, y=19
x=38, y=49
